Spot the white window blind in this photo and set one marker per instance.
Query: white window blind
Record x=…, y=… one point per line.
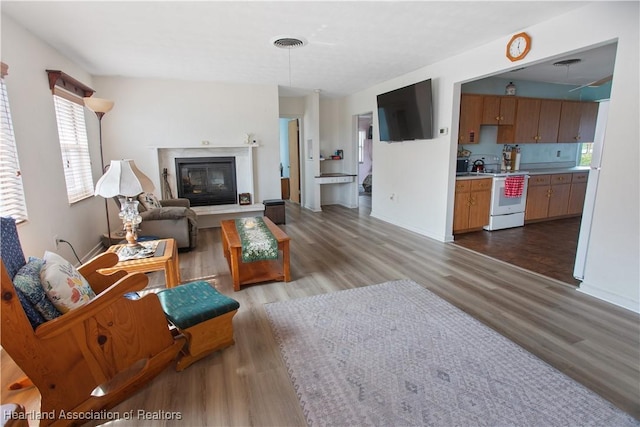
x=12, y=203
x=74, y=146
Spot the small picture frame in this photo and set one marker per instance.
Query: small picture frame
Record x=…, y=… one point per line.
x=244, y=198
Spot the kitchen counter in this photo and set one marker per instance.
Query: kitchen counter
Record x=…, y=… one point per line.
x=545, y=171
x=558, y=170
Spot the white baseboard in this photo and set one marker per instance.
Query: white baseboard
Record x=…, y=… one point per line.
x=607, y=296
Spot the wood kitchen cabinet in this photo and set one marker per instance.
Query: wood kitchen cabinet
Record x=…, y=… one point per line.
x=578, y=192
x=559, y=195
x=553, y=196
x=537, y=121
x=498, y=110
x=470, y=119
x=537, y=206
x=577, y=121
x=472, y=204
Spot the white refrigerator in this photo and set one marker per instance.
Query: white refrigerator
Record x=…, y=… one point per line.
x=592, y=190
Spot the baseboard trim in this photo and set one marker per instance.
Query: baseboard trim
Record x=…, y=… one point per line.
x=609, y=297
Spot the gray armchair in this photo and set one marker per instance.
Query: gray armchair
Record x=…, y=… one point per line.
x=175, y=219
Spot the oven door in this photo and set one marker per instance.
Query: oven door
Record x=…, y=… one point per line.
x=501, y=205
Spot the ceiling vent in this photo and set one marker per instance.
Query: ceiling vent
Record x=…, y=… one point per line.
x=567, y=62
x=288, y=42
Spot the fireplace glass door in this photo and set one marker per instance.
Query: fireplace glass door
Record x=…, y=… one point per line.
x=207, y=180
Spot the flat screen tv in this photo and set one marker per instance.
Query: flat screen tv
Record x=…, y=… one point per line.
x=406, y=114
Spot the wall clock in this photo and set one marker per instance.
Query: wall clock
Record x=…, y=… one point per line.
x=518, y=46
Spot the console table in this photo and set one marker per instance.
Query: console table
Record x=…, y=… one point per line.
x=257, y=271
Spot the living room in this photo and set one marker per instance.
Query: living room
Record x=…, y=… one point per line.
x=155, y=112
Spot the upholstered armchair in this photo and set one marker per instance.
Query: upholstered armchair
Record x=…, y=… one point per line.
x=93, y=356
x=170, y=218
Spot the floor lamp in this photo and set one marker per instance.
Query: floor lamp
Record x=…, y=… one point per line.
x=101, y=107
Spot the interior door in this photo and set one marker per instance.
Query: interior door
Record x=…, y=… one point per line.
x=294, y=161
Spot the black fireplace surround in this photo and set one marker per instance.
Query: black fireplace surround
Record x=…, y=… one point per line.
x=207, y=181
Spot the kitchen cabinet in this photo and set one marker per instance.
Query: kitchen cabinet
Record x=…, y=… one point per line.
x=537, y=120
x=577, y=121
x=555, y=195
x=559, y=195
x=470, y=119
x=472, y=204
x=537, y=205
x=578, y=192
x=498, y=110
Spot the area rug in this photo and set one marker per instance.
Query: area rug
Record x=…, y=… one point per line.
x=395, y=354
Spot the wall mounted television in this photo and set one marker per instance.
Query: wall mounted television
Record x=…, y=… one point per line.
x=406, y=114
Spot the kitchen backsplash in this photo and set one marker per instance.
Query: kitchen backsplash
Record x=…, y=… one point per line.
x=534, y=156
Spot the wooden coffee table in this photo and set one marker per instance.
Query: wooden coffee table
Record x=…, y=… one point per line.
x=166, y=260
x=244, y=273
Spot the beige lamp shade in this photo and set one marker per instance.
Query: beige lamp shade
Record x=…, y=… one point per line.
x=123, y=178
x=98, y=105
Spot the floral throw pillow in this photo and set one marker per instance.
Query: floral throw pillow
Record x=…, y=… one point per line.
x=149, y=201
x=27, y=279
x=63, y=284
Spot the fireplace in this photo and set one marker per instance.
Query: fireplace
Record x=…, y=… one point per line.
x=207, y=180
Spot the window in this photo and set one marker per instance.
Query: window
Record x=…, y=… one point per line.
x=74, y=145
x=12, y=202
x=584, y=156
x=72, y=131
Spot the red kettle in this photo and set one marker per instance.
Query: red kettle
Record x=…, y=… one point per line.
x=478, y=166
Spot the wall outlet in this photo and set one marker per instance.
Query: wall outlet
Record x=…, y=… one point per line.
x=56, y=241
x=558, y=153
x=205, y=142
x=444, y=131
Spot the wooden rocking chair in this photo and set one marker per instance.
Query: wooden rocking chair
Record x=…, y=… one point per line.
x=95, y=356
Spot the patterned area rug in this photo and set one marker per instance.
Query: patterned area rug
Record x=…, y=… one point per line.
x=395, y=354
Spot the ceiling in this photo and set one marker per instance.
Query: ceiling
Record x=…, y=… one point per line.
x=351, y=45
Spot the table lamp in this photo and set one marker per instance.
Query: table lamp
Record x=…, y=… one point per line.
x=124, y=180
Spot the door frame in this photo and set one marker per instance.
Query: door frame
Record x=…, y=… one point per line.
x=301, y=164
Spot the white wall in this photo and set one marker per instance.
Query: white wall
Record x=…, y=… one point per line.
x=34, y=121
x=310, y=147
x=421, y=175
x=174, y=113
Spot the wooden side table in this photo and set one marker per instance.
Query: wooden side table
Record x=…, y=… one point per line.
x=256, y=271
x=167, y=261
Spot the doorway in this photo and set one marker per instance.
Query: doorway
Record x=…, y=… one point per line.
x=549, y=248
x=290, y=159
x=364, y=157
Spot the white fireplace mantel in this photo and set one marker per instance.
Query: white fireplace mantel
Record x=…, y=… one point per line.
x=243, y=153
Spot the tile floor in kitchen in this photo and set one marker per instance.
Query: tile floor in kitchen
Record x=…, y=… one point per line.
x=548, y=248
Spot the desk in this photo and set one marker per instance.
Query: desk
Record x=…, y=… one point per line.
x=167, y=261
x=257, y=271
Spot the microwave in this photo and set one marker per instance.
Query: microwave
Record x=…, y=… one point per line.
x=462, y=165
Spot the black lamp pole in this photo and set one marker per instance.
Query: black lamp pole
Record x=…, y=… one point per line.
x=106, y=205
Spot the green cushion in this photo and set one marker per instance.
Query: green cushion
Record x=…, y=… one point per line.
x=192, y=303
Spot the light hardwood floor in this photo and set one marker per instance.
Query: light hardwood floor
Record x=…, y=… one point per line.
x=247, y=384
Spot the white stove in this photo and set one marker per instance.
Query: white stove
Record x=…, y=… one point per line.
x=506, y=212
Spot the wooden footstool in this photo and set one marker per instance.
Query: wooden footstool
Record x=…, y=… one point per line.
x=203, y=315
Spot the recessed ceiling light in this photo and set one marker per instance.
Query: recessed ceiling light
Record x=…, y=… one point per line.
x=284, y=42
x=567, y=62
